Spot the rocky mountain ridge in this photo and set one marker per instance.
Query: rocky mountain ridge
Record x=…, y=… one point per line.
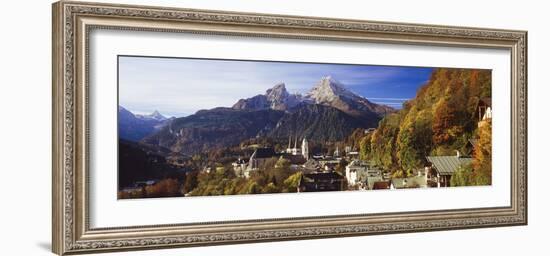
x=328, y=112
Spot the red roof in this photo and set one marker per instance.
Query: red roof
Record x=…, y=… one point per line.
x=381, y=185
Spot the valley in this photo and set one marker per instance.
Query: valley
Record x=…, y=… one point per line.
x=329, y=139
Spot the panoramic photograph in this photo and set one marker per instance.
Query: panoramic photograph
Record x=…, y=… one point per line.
x=213, y=127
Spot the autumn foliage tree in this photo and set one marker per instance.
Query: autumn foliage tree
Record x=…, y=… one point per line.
x=439, y=120
x=479, y=171
x=445, y=127
x=191, y=181
x=163, y=188
x=482, y=162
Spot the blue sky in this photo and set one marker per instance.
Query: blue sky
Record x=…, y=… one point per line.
x=180, y=87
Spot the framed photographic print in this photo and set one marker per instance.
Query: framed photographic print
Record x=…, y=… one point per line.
x=179, y=127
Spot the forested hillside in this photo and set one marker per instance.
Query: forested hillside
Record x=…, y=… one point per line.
x=441, y=119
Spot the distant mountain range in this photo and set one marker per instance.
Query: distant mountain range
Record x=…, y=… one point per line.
x=156, y=116
x=328, y=112
x=136, y=127
x=214, y=128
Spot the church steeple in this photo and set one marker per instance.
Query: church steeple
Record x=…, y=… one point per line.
x=289, y=141
x=305, y=149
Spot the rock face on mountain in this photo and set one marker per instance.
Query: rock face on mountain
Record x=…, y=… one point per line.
x=327, y=91
x=136, y=127
x=330, y=92
x=276, y=98
x=316, y=122
x=213, y=128
x=329, y=112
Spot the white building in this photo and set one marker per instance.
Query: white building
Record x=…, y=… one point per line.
x=239, y=167
x=356, y=172
x=418, y=181
x=294, y=150
x=336, y=152
x=305, y=149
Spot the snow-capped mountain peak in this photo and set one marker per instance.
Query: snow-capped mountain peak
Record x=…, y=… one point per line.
x=328, y=89
x=276, y=98
x=277, y=93
x=155, y=116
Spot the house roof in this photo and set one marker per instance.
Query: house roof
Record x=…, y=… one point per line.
x=447, y=165
x=381, y=185
x=485, y=101
x=264, y=153
x=373, y=180
x=312, y=164
x=241, y=161
x=356, y=163
x=311, y=177
x=321, y=181
x=295, y=159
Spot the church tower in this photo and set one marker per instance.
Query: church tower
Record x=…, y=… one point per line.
x=305, y=149
x=295, y=149
x=336, y=152
x=289, y=149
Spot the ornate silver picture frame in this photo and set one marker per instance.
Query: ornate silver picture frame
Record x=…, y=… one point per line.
x=74, y=21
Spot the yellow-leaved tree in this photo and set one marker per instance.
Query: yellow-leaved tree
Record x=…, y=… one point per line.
x=482, y=162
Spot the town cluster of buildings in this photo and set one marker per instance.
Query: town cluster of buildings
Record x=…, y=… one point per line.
x=318, y=171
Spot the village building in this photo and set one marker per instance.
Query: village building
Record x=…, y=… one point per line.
x=353, y=155
x=318, y=157
x=295, y=150
x=312, y=165
x=356, y=172
x=418, y=181
x=257, y=158
x=347, y=149
x=484, y=110
x=239, y=167
x=321, y=181
x=374, y=175
x=381, y=185
x=336, y=153
x=371, y=181
x=296, y=161
x=329, y=163
x=362, y=174
x=303, y=150
x=441, y=168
